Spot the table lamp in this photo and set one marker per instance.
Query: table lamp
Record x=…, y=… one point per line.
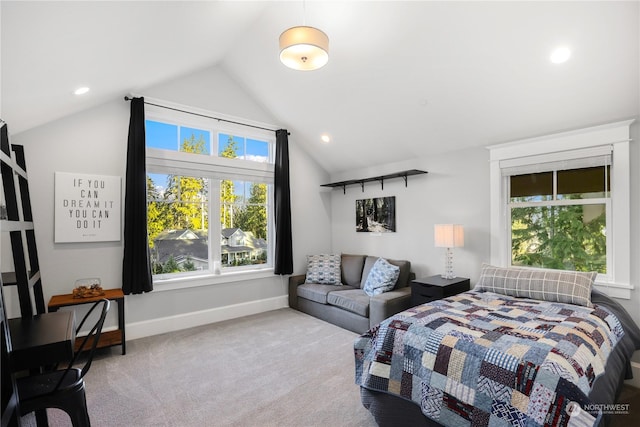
x=448, y=236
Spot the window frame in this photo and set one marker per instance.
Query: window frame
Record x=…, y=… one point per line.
x=556, y=147
x=214, y=168
x=556, y=202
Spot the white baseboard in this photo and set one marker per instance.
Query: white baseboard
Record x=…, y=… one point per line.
x=635, y=381
x=197, y=318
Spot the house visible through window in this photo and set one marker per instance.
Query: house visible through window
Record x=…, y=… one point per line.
x=208, y=197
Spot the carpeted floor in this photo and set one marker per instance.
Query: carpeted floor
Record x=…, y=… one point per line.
x=628, y=395
x=281, y=368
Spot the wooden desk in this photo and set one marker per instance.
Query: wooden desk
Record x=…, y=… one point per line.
x=43, y=340
x=107, y=338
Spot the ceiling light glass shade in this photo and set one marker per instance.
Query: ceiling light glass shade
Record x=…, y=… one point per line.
x=304, y=48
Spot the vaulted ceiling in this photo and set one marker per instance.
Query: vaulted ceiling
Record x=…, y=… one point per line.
x=404, y=79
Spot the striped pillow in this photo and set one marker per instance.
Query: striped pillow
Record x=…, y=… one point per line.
x=571, y=287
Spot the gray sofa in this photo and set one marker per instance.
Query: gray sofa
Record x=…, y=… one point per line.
x=347, y=305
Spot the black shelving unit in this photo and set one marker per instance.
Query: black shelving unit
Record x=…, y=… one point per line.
x=380, y=178
x=17, y=220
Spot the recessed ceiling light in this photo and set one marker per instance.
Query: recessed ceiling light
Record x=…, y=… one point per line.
x=560, y=54
x=325, y=138
x=81, y=90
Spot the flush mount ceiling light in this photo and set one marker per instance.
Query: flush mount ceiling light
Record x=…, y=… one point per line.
x=304, y=48
x=560, y=55
x=81, y=90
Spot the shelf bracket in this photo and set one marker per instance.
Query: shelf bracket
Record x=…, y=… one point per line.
x=382, y=183
x=344, y=189
x=405, y=180
x=362, y=185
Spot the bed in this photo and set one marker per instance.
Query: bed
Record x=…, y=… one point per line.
x=497, y=356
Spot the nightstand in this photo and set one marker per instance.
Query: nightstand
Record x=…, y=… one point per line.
x=435, y=287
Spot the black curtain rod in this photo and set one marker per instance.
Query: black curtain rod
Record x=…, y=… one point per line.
x=126, y=98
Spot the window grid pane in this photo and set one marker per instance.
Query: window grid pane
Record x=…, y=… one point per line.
x=194, y=141
x=532, y=187
x=560, y=237
x=243, y=220
x=586, y=183
x=177, y=218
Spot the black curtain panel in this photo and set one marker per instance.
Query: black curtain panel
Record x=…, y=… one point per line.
x=283, y=263
x=136, y=265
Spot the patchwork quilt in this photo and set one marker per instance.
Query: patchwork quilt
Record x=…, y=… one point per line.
x=485, y=359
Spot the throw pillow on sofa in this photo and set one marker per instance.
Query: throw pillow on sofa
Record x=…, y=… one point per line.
x=382, y=278
x=323, y=269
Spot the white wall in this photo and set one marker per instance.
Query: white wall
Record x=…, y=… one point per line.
x=94, y=141
x=455, y=190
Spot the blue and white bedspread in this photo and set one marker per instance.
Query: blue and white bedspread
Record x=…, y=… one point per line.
x=481, y=359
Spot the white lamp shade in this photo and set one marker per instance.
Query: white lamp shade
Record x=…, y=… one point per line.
x=304, y=48
x=448, y=235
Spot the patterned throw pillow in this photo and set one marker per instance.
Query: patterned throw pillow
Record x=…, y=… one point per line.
x=323, y=269
x=571, y=287
x=382, y=278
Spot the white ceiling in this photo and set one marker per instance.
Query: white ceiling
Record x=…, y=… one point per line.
x=404, y=79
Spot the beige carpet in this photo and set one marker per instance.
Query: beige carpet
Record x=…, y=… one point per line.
x=281, y=368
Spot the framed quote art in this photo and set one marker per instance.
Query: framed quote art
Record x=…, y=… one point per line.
x=87, y=208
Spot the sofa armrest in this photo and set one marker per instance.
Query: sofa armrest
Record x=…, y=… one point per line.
x=388, y=303
x=294, y=282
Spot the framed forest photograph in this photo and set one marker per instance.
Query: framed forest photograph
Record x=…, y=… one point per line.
x=376, y=215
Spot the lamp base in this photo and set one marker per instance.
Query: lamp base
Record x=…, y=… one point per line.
x=448, y=265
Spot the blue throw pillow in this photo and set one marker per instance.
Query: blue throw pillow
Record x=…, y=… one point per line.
x=382, y=277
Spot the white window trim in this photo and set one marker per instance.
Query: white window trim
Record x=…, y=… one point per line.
x=238, y=169
x=616, y=135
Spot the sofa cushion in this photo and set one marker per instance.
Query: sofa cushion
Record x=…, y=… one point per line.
x=382, y=277
x=352, y=269
x=324, y=269
x=353, y=300
x=571, y=287
x=317, y=292
x=403, y=277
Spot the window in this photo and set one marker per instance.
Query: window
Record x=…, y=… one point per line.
x=562, y=202
x=559, y=218
x=208, y=196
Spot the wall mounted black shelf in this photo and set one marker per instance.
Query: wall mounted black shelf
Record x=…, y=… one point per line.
x=381, y=178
